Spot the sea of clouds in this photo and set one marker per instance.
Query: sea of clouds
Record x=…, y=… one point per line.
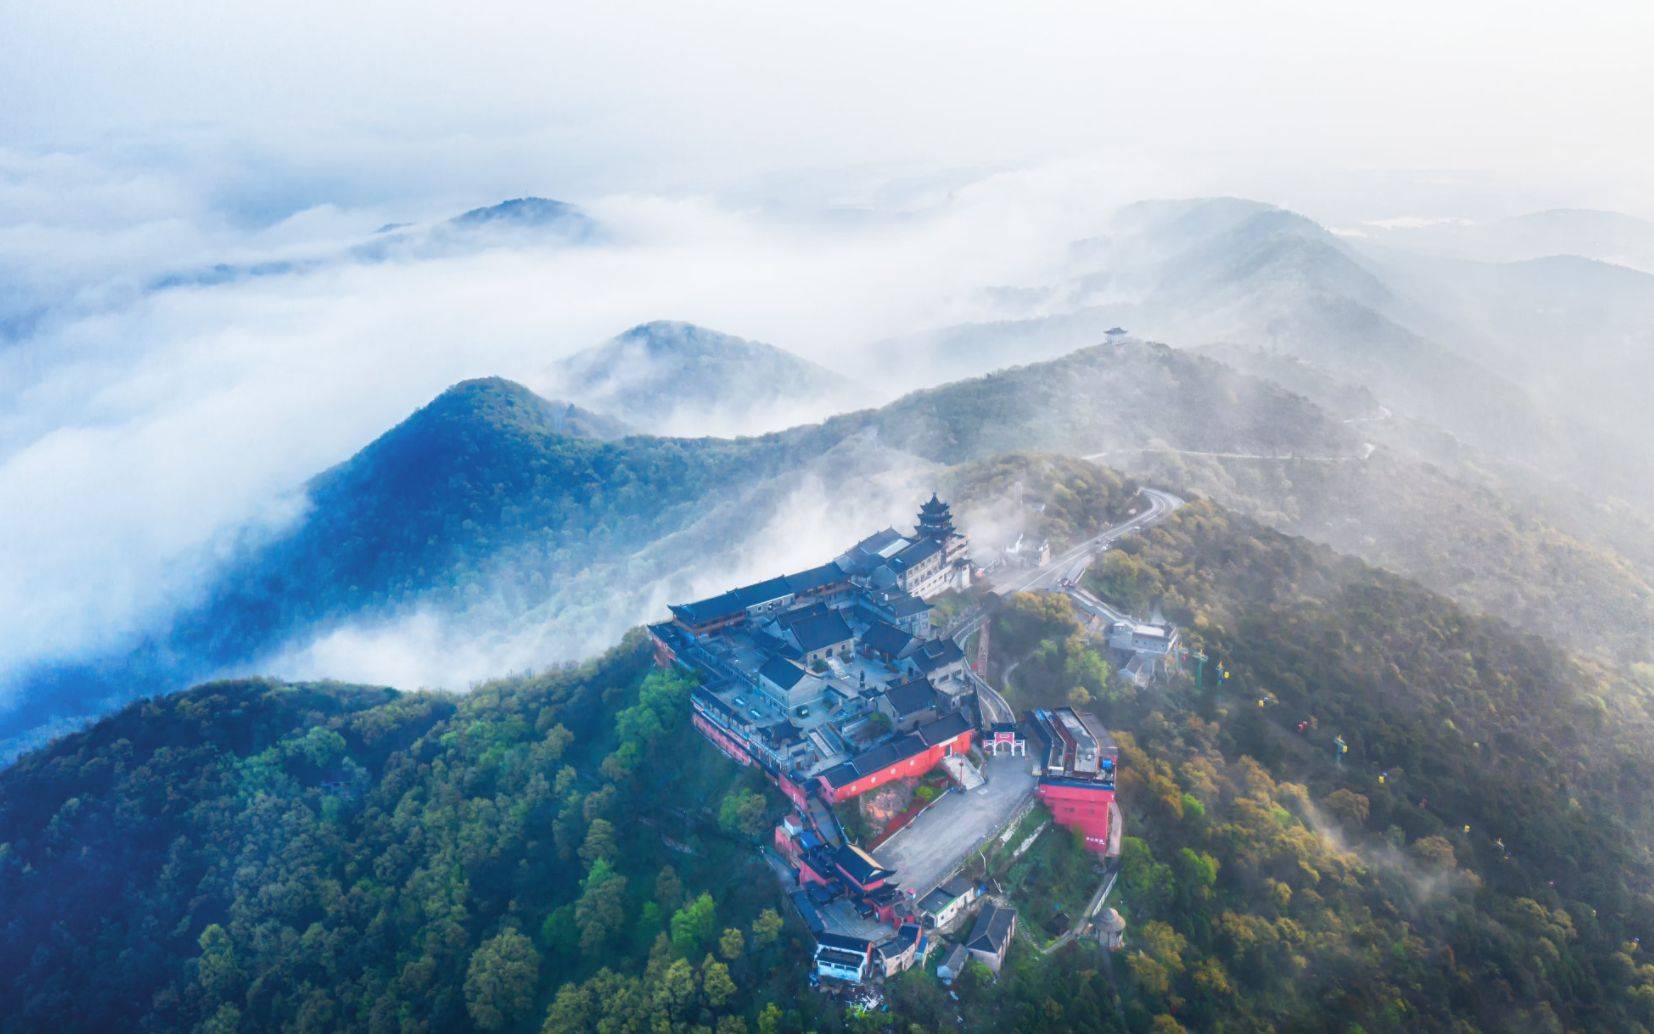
x=146, y=431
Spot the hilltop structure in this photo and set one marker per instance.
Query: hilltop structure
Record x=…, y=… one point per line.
x=830, y=681
x=934, y=558
x=828, y=678
x=1076, y=761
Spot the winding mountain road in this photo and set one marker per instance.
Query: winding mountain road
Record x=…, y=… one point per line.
x=1367, y=449
x=1067, y=565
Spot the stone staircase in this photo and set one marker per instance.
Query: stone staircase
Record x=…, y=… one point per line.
x=965, y=774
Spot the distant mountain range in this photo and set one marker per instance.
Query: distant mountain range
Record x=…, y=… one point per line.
x=524, y=220
x=1523, y=379
x=514, y=518
x=1612, y=237
x=493, y=526
x=497, y=523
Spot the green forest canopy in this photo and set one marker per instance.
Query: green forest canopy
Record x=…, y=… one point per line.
x=561, y=853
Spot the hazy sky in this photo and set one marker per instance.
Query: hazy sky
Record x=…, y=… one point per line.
x=1462, y=104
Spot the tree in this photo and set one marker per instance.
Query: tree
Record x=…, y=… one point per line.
x=694, y=924
x=1351, y=807
x=1197, y=873
x=649, y=920
x=559, y=933
x=668, y=888
x=731, y=944
x=500, y=981
x=567, y=826
x=215, y=969
x=599, y=842
x=602, y=906
x=1084, y=668
x=716, y=984
x=1435, y=850
x=742, y=812
x=766, y=929
x=675, y=990
x=227, y=1020
x=1147, y=884
x=573, y=1011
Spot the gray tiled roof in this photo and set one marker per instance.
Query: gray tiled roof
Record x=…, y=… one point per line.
x=820, y=631
x=992, y=929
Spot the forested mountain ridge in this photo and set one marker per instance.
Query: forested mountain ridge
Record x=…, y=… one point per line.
x=483, y=505
x=1500, y=373
x=497, y=510
x=1477, y=860
x=430, y=510
x=1115, y=395
x=1510, y=557
x=520, y=858
x=1431, y=692
x=478, y=471
x=1191, y=423
x=252, y=855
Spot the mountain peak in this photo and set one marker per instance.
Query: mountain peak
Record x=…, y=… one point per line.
x=501, y=405
x=533, y=213
x=520, y=210
x=673, y=377
x=680, y=338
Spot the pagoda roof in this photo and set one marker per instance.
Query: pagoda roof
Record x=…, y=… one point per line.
x=933, y=506
x=783, y=672
x=992, y=930
x=937, y=653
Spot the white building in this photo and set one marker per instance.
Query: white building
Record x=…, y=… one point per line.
x=1142, y=637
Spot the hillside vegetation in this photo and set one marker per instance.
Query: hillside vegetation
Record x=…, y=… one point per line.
x=254, y=855
x=494, y=509
x=1513, y=558
x=1477, y=860
x=534, y=855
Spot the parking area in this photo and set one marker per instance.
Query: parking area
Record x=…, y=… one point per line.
x=933, y=845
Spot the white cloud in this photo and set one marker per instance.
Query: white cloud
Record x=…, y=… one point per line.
x=818, y=177
x=785, y=525
x=138, y=436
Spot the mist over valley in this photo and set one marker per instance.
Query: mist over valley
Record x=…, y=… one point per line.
x=826, y=519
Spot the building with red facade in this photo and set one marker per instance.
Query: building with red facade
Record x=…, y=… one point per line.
x=831, y=682
x=905, y=757
x=1076, y=763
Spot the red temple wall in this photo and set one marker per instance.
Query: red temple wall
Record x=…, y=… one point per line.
x=1082, y=808
x=794, y=792
x=908, y=768
x=721, y=741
